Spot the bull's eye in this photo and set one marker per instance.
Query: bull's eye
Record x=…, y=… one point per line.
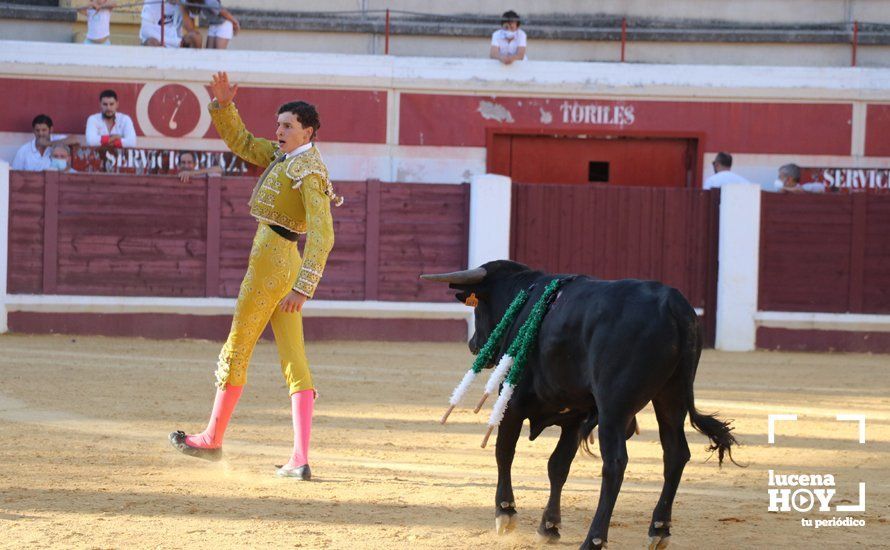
x=471, y=300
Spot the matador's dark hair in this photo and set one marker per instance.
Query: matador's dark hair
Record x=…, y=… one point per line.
x=305, y=113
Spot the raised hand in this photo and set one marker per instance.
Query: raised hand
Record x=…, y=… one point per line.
x=221, y=89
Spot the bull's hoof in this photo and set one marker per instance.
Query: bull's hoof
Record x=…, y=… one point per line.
x=548, y=532
x=595, y=544
x=659, y=535
x=505, y=523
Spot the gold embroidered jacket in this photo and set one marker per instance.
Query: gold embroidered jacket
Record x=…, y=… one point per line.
x=294, y=193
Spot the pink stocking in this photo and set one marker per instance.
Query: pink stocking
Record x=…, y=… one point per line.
x=223, y=406
x=302, y=406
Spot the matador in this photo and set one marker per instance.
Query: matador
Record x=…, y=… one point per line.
x=293, y=196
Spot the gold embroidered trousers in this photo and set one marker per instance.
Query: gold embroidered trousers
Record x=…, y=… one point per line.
x=271, y=272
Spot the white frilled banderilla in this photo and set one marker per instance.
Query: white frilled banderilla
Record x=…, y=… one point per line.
x=510, y=367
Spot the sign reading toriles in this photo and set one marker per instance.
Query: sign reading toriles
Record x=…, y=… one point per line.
x=597, y=113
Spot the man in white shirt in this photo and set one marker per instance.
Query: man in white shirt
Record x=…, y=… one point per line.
x=108, y=127
x=174, y=18
x=35, y=155
x=508, y=44
x=722, y=173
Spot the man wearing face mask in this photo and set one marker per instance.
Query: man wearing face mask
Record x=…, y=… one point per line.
x=61, y=159
x=292, y=196
x=789, y=181
x=109, y=128
x=508, y=44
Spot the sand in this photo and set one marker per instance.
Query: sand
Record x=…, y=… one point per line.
x=86, y=462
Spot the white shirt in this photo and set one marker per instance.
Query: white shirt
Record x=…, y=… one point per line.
x=508, y=42
x=98, y=24
x=29, y=158
x=151, y=17
x=123, y=126
x=298, y=150
x=723, y=178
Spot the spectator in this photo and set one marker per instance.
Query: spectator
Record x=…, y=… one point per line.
x=108, y=127
x=35, y=155
x=188, y=167
x=223, y=25
x=98, y=14
x=789, y=181
x=722, y=173
x=508, y=44
x=61, y=159
x=175, y=17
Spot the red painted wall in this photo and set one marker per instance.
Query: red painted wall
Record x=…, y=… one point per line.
x=346, y=115
x=548, y=159
x=740, y=127
x=359, y=116
x=216, y=327
x=877, y=131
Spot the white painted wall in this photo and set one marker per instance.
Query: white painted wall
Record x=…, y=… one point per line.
x=451, y=75
x=747, y=11
x=763, y=169
x=347, y=161
x=490, y=202
x=738, y=261
x=4, y=243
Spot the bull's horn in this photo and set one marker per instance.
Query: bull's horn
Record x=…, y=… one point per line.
x=466, y=277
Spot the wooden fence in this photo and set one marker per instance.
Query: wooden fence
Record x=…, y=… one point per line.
x=663, y=234
x=126, y=235
x=825, y=253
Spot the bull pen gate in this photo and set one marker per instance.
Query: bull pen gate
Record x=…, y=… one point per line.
x=664, y=234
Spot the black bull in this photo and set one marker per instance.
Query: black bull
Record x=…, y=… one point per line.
x=605, y=349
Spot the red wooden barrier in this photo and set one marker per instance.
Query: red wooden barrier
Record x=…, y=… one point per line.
x=96, y=234
x=825, y=253
x=608, y=232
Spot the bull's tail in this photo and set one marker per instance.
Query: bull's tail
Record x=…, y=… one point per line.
x=718, y=431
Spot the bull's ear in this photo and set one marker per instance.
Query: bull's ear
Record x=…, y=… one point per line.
x=468, y=298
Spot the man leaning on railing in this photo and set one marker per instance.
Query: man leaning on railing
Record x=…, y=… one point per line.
x=108, y=128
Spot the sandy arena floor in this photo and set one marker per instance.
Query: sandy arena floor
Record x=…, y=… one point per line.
x=86, y=462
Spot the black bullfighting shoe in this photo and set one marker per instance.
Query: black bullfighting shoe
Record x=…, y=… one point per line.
x=301, y=472
x=177, y=439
